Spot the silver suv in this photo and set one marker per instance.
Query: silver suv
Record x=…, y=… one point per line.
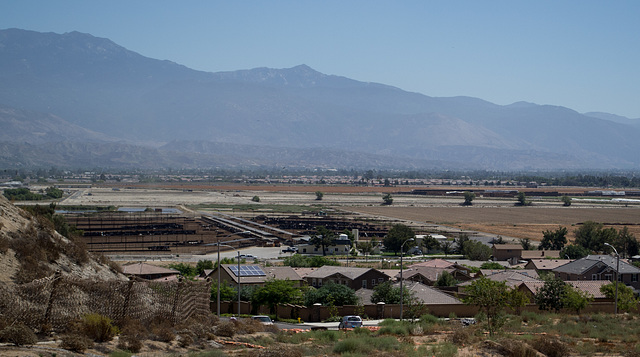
x=350, y=321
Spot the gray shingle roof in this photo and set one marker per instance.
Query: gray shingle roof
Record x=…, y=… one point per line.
x=428, y=295
x=510, y=277
x=581, y=265
x=327, y=270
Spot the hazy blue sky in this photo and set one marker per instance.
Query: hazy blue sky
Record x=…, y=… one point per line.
x=584, y=55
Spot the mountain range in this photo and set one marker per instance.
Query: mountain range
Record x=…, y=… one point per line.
x=75, y=100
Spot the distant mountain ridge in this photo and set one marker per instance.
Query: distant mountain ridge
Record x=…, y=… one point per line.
x=91, y=89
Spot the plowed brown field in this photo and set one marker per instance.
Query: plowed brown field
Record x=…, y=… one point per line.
x=519, y=222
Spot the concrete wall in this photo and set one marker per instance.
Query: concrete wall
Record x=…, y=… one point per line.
x=381, y=311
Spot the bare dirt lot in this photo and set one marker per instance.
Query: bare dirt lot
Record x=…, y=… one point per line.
x=520, y=222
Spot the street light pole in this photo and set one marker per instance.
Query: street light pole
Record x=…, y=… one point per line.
x=239, y=275
x=401, y=290
x=617, y=274
x=220, y=266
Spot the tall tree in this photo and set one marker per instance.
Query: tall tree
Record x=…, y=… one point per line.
x=390, y=294
x=575, y=299
x=551, y=296
x=522, y=199
x=275, y=292
x=626, y=243
x=331, y=294
x=447, y=247
x=491, y=297
x=468, y=198
x=446, y=279
x=589, y=235
x=554, y=240
x=430, y=244
x=574, y=251
x=367, y=247
x=459, y=242
x=627, y=300
x=323, y=238
x=475, y=250
x=398, y=234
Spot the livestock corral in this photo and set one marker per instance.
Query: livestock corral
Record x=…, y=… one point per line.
x=154, y=232
x=344, y=207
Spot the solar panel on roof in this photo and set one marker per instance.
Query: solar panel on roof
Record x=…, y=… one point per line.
x=247, y=270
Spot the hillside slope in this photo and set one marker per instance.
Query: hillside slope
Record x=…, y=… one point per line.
x=31, y=249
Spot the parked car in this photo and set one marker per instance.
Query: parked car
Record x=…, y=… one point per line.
x=290, y=250
x=264, y=319
x=350, y=321
x=248, y=256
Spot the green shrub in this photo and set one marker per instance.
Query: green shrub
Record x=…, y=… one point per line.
x=429, y=319
x=76, y=343
x=445, y=349
x=281, y=351
x=461, y=336
x=19, y=335
x=366, y=344
x=550, y=346
x=516, y=348
x=225, y=329
x=98, y=327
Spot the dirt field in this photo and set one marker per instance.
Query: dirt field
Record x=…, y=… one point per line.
x=519, y=222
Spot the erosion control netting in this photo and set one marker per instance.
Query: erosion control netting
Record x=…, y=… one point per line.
x=56, y=301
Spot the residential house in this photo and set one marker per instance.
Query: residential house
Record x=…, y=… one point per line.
x=341, y=246
x=587, y=286
x=599, y=267
x=425, y=294
x=428, y=295
x=353, y=277
x=460, y=272
x=429, y=275
x=253, y=275
x=539, y=254
x=528, y=272
x=545, y=265
x=510, y=277
x=507, y=252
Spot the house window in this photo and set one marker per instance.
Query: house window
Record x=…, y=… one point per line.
x=319, y=282
x=608, y=277
x=313, y=282
x=594, y=276
x=373, y=282
x=634, y=278
x=304, y=250
x=364, y=283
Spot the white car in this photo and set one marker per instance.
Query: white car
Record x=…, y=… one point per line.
x=264, y=319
